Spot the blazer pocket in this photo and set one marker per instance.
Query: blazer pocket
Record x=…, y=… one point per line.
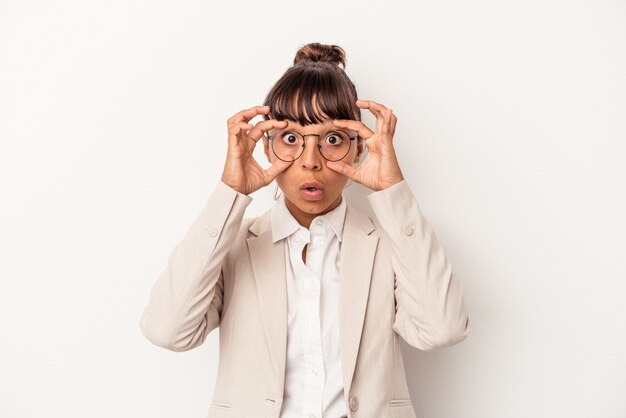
x=401, y=408
x=221, y=405
x=400, y=402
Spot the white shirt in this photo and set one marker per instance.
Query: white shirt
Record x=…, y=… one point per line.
x=313, y=379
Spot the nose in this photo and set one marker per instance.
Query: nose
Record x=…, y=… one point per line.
x=311, y=157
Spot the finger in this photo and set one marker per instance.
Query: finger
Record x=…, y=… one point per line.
x=370, y=104
x=235, y=130
x=247, y=114
x=265, y=126
x=387, y=114
x=394, y=121
x=342, y=167
x=355, y=125
x=275, y=169
x=375, y=108
x=383, y=114
x=389, y=120
x=379, y=112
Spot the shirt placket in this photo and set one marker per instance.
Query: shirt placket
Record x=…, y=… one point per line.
x=310, y=289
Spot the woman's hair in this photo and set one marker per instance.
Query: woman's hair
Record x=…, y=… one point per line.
x=316, y=79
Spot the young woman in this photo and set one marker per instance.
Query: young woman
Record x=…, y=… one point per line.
x=312, y=296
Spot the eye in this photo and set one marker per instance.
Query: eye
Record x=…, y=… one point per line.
x=334, y=139
x=289, y=138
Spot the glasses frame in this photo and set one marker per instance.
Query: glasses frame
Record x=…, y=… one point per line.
x=319, y=146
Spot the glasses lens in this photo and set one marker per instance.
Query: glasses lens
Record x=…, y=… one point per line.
x=288, y=145
x=335, y=145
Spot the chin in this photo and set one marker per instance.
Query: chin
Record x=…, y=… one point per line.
x=314, y=206
x=310, y=206
x=317, y=208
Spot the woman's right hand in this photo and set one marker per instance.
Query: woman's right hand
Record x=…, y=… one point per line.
x=241, y=171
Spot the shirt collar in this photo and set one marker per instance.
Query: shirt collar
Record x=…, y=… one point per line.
x=284, y=223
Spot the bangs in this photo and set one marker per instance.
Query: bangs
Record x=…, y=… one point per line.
x=310, y=95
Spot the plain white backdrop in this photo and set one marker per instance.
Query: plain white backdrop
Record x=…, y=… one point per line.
x=511, y=130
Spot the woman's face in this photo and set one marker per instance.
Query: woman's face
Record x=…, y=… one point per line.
x=311, y=167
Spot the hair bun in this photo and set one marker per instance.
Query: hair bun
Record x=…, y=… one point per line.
x=316, y=52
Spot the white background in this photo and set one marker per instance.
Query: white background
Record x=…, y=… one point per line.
x=511, y=130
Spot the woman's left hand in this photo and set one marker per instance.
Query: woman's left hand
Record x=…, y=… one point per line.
x=380, y=168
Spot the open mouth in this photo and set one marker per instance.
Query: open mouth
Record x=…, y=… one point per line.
x=312, y=193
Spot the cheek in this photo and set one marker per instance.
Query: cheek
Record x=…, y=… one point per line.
x=336, y=181
x=349, y=159
x=286, y=178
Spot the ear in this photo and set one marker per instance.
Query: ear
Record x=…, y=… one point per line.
x=359, y=149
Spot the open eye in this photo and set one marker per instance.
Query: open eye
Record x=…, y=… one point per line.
x=334, y=139
x=289, y=138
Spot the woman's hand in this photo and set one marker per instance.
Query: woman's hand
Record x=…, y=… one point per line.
x=241, y=171
x=380, y=168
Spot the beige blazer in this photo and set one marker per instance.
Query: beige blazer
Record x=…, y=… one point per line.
x=395, y=281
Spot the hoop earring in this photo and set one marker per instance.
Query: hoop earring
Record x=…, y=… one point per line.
x=276, y=196
x=349, y=184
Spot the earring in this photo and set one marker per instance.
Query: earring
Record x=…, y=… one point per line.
x=275, y=191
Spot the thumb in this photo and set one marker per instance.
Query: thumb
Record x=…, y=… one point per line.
x=342, y=167
x=277, y=167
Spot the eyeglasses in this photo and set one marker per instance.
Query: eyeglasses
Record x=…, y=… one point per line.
x=288, y=145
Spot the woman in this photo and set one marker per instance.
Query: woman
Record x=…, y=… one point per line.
x=312, y=296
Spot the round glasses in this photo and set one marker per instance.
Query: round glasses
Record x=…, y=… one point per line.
x=288, y=145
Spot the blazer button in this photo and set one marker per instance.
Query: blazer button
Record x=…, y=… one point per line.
x=213, y=232
x=354, y=403
x=408, y=231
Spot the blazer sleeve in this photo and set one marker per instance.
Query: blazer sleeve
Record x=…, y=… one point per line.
x=185, y=302
x=430, y=310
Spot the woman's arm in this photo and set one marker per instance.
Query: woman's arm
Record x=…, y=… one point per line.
x=185, y=303
x=430, y=310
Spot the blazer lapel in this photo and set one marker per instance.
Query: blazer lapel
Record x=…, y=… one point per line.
x=358, y=248
x=268, y=264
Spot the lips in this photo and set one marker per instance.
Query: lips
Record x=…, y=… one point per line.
x=311, y=185
x=311, y=191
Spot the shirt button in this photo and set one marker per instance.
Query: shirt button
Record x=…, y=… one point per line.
x=408, y=231
x=354, y=403
x=213, y=232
